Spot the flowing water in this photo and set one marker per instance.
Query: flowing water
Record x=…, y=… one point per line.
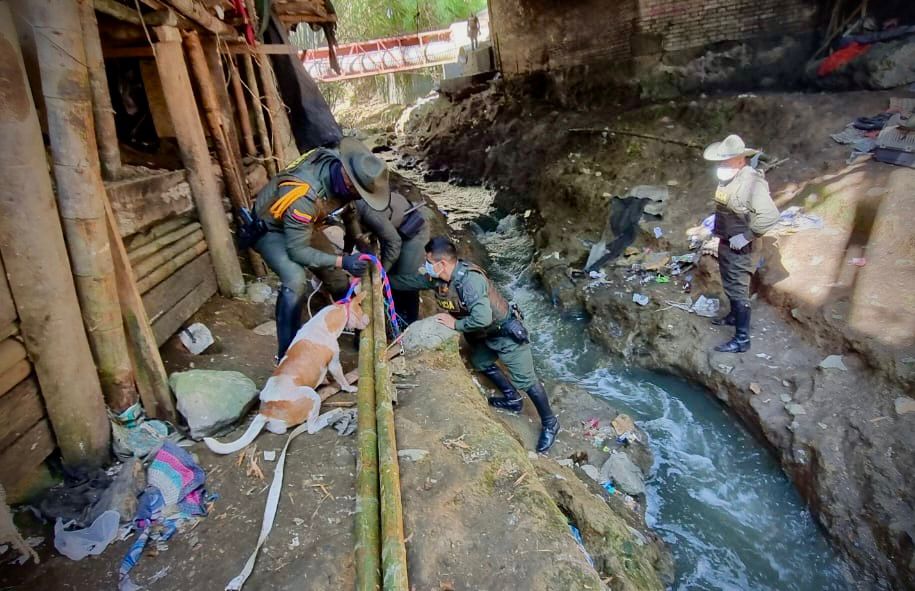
x=729, y=514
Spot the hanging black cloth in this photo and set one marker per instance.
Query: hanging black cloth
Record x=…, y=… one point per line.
x=624, y=223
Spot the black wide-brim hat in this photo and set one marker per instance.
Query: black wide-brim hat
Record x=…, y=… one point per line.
x=368, y=173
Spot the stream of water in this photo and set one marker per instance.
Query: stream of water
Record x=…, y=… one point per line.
x=729, y=514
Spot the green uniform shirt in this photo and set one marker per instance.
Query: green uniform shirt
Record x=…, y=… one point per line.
x=384, y=224
x=748, y=194
x=297, y=199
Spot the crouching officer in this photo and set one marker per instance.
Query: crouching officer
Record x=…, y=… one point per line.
x=491, y=326
x=403, y=231
x=294, y=207
x=744, y=212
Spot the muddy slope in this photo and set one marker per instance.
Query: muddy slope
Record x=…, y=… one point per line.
x=843, y=436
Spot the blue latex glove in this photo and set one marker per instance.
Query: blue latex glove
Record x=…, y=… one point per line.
x=738, y=241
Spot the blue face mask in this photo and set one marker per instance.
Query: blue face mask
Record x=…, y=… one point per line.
x=430, y=269
x=338, y=184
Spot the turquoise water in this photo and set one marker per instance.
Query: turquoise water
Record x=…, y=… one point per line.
x=729, y=514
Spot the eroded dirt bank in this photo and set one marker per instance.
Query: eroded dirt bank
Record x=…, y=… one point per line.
x=844, y=436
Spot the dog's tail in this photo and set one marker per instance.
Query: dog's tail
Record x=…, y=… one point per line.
x=257, y=425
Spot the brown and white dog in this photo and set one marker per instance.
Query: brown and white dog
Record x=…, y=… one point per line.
x=289, y=398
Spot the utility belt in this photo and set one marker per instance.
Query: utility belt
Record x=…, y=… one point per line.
x=250, y=228
x=513, y=327
x=412, y=222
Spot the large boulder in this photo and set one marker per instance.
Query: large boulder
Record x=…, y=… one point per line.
x=427, y=335
x=212, y=400
x=624, y=474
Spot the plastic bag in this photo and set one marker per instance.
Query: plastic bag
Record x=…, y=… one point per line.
x=79, y=543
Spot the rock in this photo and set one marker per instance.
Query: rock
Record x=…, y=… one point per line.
x=625, y=475
x=786, y=398
x=623, y=424
x=211, y=400
x=427, y=334
x=267, y=329
x=904, y=405
x=412, y=455
x=640, y=299
x=196, y=338
x=566, y=462
x=258, y=292
x=833, y=362
x=795, y=409
x=754, y=388
x=591, y=471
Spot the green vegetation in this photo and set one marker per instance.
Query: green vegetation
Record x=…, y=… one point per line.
x=359, y=20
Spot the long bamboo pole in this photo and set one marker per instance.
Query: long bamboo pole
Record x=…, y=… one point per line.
x=367, y=548
x=35, y=261
x=283, y=140
x=106, y=135
x=241, y=106
x=258, y=107
x=80, y=191
x=393, y=551
x=179, y=98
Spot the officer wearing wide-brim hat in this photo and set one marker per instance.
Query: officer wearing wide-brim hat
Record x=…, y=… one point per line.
x=744, y=212
x=294, y=206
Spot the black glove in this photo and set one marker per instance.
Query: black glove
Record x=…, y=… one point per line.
x=354, y=266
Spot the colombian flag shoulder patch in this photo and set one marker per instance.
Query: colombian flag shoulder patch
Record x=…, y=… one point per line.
x=301, y=216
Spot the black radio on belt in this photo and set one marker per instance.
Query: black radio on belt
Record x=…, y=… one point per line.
x=250, y=228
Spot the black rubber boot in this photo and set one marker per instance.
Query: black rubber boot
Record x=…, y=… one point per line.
x=288, y=319
x=727, y=320
x=741, y=341
x=548, y=421
x=510, y=399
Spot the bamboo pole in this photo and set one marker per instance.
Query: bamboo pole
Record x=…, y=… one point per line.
x=393, y=551
x=258, y=108
x=367, y=548
x=106, y=135
x=210, y=44
x=241, y=106
x=161, y=242
x=147, y=265
x=179, y=98
x=80, y=191
x=152, y=381
x=166, y=270
x=35, y=260
x=283, y=142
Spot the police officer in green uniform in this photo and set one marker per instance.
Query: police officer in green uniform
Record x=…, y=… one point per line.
x=744, y=212
x=493, y=329
x=403, y=231
x=295, y=205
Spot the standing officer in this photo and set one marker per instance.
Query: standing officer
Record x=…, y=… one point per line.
x=492, y=328
x=403, y=231
x=294, y=206
x=744, y=212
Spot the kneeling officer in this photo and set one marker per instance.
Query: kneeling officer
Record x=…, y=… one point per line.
x=491, y=326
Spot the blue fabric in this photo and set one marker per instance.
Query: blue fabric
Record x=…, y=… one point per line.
x=337, y=183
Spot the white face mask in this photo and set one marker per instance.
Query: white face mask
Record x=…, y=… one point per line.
x=430, y=269
x=726, y=173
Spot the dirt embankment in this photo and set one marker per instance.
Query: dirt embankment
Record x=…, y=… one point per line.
x=844, y=436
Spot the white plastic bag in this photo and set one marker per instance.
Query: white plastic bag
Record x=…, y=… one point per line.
x=79, y=543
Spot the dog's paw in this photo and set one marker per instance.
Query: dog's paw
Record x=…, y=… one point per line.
x=349, y=388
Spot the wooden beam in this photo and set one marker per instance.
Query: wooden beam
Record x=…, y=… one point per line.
x=182, y=106
x=241, y=107
x=257, y=105
x=167, y=294
x=141, y=203
x=26, y=453
x=20, y=408
x=11, y=353
x=169, y=323
x=162, y=272
x=15, y=374
x=263, y=49
x=106, y=135
x=197, y=13
x=129, y=15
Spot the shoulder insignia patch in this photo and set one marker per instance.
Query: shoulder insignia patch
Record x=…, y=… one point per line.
x=297, y=190
x=301, y=216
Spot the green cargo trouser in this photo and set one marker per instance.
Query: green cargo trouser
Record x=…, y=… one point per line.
x=293, y=275
x=517, y=358
x=736, y=271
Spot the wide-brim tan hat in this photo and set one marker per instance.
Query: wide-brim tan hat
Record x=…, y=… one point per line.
x=368, y=172
x=730, y=147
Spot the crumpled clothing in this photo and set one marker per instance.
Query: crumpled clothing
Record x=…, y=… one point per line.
x=134, y=435
x=841, y=57
x=175, y=473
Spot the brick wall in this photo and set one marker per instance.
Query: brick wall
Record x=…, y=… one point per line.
x=683, y=24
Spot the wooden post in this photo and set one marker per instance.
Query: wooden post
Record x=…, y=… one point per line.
x=106, y=135
x=258, y=107
x=221, y=87
x=241, y=106
x=182, y=107
x=35, y=259
x=283, y=141
x=80, y=191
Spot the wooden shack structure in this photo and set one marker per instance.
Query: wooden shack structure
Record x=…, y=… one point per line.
x=129, y=132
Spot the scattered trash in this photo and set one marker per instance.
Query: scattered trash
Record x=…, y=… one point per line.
x=656, y=195
x=196, y=338
x=295, y=542
x=576, y=535
x=79, y=543
x=258, y=292
x=858, y=261
x=134, y=435
x=793, y=219
x=412, y=455
x=658, y=232
x=640, y=299
x=625, y=475
x=764, y=356
x=833, y=362
x=904, y=405
x=706, y=307
x=270, y=456
x=623, y=423
x=267, y=329
x=345, y=423
x=608, y=486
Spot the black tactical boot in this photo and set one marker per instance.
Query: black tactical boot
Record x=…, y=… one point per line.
x=510, y=399
x=741, y=341
x=288, y=319
x=727, y=320
x=548, y=421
